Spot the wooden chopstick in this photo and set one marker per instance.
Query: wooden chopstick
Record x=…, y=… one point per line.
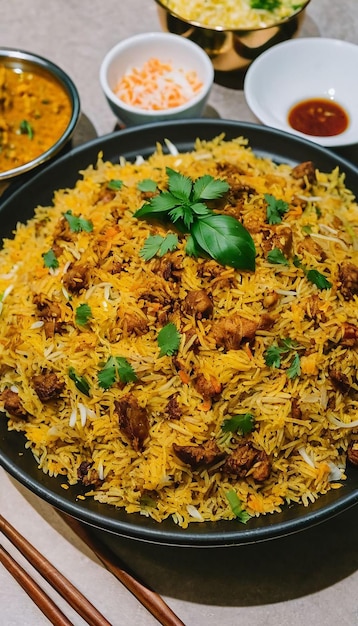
x=61, y=584
x=152, y=601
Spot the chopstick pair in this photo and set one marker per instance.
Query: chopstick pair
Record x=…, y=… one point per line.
x=148, y=598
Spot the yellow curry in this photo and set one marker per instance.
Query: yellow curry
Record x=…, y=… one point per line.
x=34, y=112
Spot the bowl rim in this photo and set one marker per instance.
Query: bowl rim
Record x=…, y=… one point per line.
x=224, y=29
x=67, y=84
x=149, y=114
x=265, y=59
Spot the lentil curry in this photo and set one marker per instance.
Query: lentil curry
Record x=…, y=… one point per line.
x=34, y=112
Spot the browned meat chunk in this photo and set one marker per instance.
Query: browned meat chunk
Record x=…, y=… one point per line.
x=198, y=303
x=277, y=237
x=63, y=231
x=134, y=324
x=169, y=267
x=270, y=299
x=340, y=381
x=204, y=454
x=306, y=171
x=348, y=279
x=209, y=387
x=312, y=247
x=313, y=308
x=230, y=331
x=50, y=313
x=76, y=277
x=352, y=452
x=48, y=386
x=296, y=412
x=88, y=475
x=350, y=335
x=173, y=408
x=247, y=460
x=133, y=421
x=13, y=405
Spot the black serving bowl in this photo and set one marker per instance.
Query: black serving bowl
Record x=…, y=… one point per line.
x=20, y=463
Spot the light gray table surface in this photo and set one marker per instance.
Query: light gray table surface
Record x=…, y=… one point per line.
x=303, y=579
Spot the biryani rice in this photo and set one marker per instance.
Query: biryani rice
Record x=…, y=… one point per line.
x=307, y=450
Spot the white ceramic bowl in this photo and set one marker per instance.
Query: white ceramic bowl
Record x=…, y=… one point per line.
x=303, y=69
x=133, y=52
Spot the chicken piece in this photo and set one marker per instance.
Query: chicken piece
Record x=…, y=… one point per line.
x=198, y=303
x=247, y=460
x=305, y=171
x=349, y=335
x=312, y=247
x=313, y=308
x=50, y=313
x=348, y=280
x=230, y=331
x=13, y=405
x=76, y=277
x=277, y=237
x=296, y=412
x=352, y=452
x=88, y=475
x=133, y=421
x=48, y=386
x=196, y=456
x=169, y=267
x=134, y=324
x=62, y=231
x=208, y=387
x=340, y=381
x=173, y=409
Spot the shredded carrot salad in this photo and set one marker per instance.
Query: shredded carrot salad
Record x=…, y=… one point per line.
x=157, y=86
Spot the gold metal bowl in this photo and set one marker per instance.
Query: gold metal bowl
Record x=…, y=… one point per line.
x=230, y=50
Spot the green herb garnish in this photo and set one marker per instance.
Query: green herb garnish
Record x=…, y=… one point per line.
x=147, y=185
x=274, y=354
x=314, y=276
x=80, y=381
x=218, y=236
x=295, y=368
x=83, y=314
x=116, y=368
x=242, y=423
x=235, y=505
x=115, y=184
x=277, y=257
x=265, y=5
x=26, y=129
x=158, y=245
x=275, y=209
x=168, y=340
x=50, y=259
x=77, y=224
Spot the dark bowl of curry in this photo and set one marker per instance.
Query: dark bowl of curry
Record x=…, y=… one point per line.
x=39, y=111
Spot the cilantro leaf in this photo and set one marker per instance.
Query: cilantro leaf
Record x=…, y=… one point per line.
x=147, y=184
x=50, y=259
x=265, y=5
x=156, y=244
x=80, y=381
x=273, y=356
x=115, y=184
x=26, y=129
x=318, y=279
x=295, y=368
x=116, y=368
x=242, y=423
x=83, y=314
x=277, y=257
x=235, y=505
x=275, y=209
x=77, y=224
x=168, y=340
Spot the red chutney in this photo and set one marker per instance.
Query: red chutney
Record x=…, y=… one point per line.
x=319, y=117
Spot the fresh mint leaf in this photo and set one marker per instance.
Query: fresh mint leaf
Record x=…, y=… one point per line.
x=158, y=245
x=80, y=381
x=50, y=259
x=208, y=188
x=241, y=423
x=318, y=279
x=277, y=257
x=115, y=184
x=275, y=209
x=168, y=340
x=83, y=314
x=180, y=186
x=116, y=368
x=147, y=184
x=236, y=507
x=77, y=224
